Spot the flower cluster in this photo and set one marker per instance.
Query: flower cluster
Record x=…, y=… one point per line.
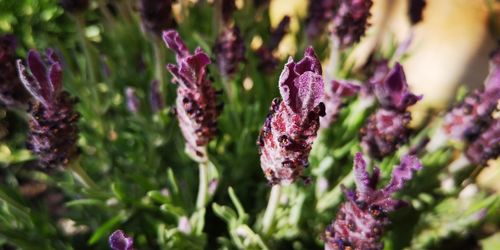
x=196, y=106
x=12, y=92
x=53, y=123
x=335, y=92
x=118, y=240
x=156, y=16
x=229, y=50
x=473, y=121
x=292, y=124
x=387, y=129
x=320, y=13
x=360, y=221
x=350, y=21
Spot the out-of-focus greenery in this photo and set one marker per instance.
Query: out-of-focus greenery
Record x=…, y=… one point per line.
x=148, y=184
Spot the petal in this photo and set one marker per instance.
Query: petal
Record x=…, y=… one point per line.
x=30, y=83
x=174, y=42
x=39, y=71
x=402, y=173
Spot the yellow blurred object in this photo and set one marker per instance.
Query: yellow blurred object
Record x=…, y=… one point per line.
x=296, y=10
x=490, y=175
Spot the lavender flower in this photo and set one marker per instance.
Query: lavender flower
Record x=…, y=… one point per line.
x=119, y=241
x=292, y=124
x=473, y=115
x=12, y=91
x=156, y=16
x=74, y=6
x=229, y=50
x=350, y=21
x=53, y=124
x=486, y=146
x=268, y=62
x=156, y=97
x=360, y=221
x=132, y=100
x=320, y=12
x=335, y=92
x=387, y=129
x=415, y=10
x=196, y=109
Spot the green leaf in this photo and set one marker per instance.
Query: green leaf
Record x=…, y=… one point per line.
x=105, y=229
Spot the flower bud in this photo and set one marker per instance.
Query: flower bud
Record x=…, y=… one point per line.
x=119, y=241
x=292, y=124
x=229, y=50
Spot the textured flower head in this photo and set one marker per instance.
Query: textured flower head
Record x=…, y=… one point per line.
x=118, y=240
x=292, y=124
x=196, y=105
x=229, y=50
x=350, y=21
x=12, y=91
x=486, y=146
x=360, y=221
x=335, y=92
x=469, y=118
x=387, y=129
x=156, y=16
x=53, y=123
x=393, y=91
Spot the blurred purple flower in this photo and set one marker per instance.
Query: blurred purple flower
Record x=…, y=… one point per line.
x=415, y=10
x=156, y=97
x=119, y=241
x=12, y=91
x=292, y=124
x=156, y=16
x=196, y=102
x=132, y=100
x=228, y=7
x=53, y=123
x=350, y=21
x=360, y=221
x=486, y=146
x=229, y=50
x=320, y=13
x=335, y=92
x=387, y=129
x=473, y=115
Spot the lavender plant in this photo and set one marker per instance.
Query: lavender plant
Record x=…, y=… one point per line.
x=118, y=168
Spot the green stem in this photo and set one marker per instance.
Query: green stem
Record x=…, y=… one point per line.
x=272, y=205
x=201, y=200
x=159, y=59
x=80, y=25
x=333, y=197
x=82, y=176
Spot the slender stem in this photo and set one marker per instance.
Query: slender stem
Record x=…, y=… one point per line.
x=80, y=25
x=5, y=198
x=82, y=176
x=332, y=66
x=201, y=200
x=272, y=205
x=159, y=59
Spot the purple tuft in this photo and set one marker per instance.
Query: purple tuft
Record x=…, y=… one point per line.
x=229, y=50
x=119, y=241
x=350, y=21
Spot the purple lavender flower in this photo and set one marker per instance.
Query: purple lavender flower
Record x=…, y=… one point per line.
x=387, y=129
x=320, y=13
x=120, y=241
x=292, y=124
x=156, y=16
x=486, y=146
x=350, y=21
x=74, y=6
x=156, y=97
x=229, y=50
x=12, y=91
x=132, y=100
x=196, y=109
x=361, y=220
x=268, y=62
x=415, y=10
x=53, y=124
x=469, y=118
x=335, y=92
